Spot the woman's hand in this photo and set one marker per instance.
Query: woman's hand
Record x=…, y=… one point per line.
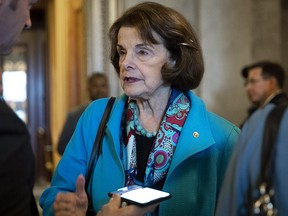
x=75, y=204
x=113, y=208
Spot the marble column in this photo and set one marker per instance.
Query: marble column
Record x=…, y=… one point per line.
x=235, y=33
x=226, y=38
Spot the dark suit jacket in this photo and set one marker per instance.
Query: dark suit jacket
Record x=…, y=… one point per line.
x=279, y=99
x=16, y=165
x=69, y=127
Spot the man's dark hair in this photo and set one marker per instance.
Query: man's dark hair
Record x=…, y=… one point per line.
x=96, y=75
x=269, y=69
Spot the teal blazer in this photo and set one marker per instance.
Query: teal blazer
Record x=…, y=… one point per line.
x=195, y=174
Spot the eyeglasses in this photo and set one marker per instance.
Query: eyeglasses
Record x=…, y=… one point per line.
x=253, y=81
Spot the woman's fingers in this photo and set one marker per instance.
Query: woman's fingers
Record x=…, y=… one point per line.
x=72, y=203
x=81, y=193
x=64, y=202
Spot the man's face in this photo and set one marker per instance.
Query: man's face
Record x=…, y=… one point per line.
x=258, y=89
x=14, y=17
x=98, y=88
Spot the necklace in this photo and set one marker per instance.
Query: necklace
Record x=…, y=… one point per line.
x=141, y=130
x=138, y=127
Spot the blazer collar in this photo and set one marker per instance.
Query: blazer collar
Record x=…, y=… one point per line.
x=196, y=134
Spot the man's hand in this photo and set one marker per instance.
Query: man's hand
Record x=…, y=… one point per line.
x=75, y=204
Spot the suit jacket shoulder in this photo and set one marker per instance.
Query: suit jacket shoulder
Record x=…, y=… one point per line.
x=279, y=99
x=16, y=164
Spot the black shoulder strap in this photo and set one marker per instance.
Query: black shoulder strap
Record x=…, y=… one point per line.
x=96, y=151
x=269, y=142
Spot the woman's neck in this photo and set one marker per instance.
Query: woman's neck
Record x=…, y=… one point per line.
x=151, y=111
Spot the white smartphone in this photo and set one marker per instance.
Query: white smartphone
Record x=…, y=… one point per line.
x=141, y=196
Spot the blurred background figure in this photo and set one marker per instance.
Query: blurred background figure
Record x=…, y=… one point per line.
x=17, y=162
x=97, y=87
x=244, y=173
x=264, y=83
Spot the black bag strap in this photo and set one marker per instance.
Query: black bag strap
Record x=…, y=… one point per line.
x=270, y=134
x=97, y=148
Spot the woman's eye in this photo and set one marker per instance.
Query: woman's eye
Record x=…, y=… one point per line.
x=142, y=52
x=121, y=52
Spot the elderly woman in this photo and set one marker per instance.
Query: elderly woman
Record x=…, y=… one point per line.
x=159, y=133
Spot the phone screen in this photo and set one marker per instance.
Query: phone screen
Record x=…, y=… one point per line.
x=142, y=196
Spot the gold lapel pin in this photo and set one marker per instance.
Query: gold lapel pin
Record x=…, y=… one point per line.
x=195, y=134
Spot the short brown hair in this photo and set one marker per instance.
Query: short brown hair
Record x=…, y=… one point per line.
x=96, y=75
x=269, y=69
x=178, y=38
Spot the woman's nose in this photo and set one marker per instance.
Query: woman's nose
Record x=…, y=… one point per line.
x=28, y=23
x=128, y=61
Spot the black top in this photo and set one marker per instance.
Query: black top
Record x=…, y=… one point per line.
x=143, y=148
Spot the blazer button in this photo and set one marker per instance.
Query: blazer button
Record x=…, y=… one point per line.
x=195, y=134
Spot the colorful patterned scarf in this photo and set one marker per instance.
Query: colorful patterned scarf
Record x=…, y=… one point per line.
x=164, y=144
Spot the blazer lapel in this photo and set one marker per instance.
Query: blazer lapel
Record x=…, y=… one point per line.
x=195, y=136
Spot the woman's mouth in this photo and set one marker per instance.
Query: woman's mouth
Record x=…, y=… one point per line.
x=130, y=79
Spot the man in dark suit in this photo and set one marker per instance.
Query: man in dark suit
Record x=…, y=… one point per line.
x=16, y=165
x=97, y=87
x=264, y=83
x=16, y=156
